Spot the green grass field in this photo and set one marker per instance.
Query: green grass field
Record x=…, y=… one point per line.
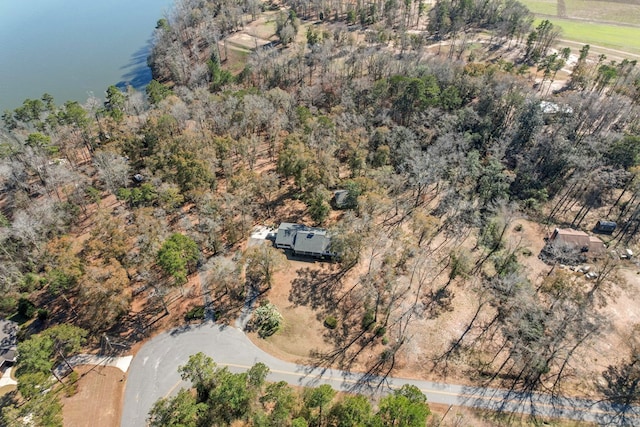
x=611, y=36
x=545, y=7
x=606, y=33
x=603, y=11
x=593, y=10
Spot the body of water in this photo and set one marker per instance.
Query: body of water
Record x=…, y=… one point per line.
x=74, y=48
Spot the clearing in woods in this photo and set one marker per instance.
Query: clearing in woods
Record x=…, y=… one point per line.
x=299, y=294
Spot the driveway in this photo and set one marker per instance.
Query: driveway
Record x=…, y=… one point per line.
x=153, y=374
x=5, y=378
x=121, y=363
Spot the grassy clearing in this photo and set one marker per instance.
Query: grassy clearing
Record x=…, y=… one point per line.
x=603, y=11
x=236, y=60
x=545, y=7
x=613, y=12
x=266, y=30
x=611, y=36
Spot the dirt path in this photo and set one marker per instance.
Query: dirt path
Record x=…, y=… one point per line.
x=98, y=402
x=586, y=20
x=622, y=53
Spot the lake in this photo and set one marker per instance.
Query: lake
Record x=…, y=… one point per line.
x=74, y=48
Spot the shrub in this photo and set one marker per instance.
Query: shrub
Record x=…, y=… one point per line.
x=71, y=388
x=60, y=281
x=31, y=282
x=518, y=228
x=26, y=308
x=380, y=331
x=267, y=320
x=8, y=305
x=330, y=322
x=196, y=313
x=368, y=320
x=43, y=314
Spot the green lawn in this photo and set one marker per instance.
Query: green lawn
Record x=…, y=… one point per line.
x=612, y=36
x=614, y=12
x=603, y=11
x=545, y=7
x=601, y=34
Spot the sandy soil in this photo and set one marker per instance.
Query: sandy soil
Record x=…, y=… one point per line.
x=99, y=399
x=303, y=331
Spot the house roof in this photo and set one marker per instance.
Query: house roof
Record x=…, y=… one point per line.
x=314, y=241
x=578, y=239
x=596, y=245
x=303, y=239
x=7, y=356
x=8, y=341
x=287, y=233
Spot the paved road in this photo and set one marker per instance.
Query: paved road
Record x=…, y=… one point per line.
x=153, y=374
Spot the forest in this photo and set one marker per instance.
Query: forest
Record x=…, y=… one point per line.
x=435, y=122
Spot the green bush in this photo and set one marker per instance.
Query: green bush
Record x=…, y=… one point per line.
x=8, y=305
x=30, y=282
x=144, y=195
x=60, y=281
x=196, y=313
x=267, y=320
x=43, y=314
x=330, y=322
x=380, y=331
x=26, y=308
x=368, y=320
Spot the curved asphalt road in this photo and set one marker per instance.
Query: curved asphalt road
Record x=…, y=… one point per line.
x=153, y=374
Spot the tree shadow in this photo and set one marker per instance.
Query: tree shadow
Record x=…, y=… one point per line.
x=512, y=405
x=458, y=345
x=376, y=378
x=136, y=72
x=369, y=383
x=317, y=289
x=618, y=415
x=323, y=292
x=9, y=399
x=227, y=306
x=621, y=392
x=137, y=326
x=438, y=301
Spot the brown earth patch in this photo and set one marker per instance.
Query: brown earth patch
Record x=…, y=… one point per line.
x=302, y=332
x=99, y=399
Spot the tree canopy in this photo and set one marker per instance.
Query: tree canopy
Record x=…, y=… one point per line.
x=223, y=398
x=178, y=256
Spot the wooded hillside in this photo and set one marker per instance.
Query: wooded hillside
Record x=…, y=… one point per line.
x=445, y=126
